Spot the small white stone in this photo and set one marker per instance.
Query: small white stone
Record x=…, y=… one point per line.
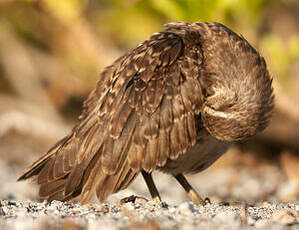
x=262, y=223
x=172, y=209
x=186, y=208
x=251, y=220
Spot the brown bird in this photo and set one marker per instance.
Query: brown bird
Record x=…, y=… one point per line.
x=175, y=103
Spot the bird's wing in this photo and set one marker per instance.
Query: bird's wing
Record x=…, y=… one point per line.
x=141, y=113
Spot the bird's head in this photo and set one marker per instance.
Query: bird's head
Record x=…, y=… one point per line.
x=238, y=89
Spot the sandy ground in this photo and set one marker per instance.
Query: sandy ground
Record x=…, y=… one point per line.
x=258, y=194
x=266, y=198
x=146, y=215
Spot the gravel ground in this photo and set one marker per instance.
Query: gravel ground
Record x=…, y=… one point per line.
x=265, y=183
x=143, y=214
x=229, y=181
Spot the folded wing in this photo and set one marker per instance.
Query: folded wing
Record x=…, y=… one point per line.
x=141, y=114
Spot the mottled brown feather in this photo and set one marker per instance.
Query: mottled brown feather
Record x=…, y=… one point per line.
x=46, y=173
x=149, y=105
x=49, y=189
x=58, y=167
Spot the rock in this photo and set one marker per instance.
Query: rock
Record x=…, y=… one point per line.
x=152, y=215
x=286, y=216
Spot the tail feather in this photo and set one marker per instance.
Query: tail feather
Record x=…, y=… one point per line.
x=52, y=187
x=38, y=165
x=45, y=174
x=74, y=178
x=58, y=195
x=58, y=167
x=61, y=178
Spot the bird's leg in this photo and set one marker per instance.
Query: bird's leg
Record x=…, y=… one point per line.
x=151, y=185
x=193, y=195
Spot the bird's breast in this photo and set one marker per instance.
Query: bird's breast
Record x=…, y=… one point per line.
x=199, y=157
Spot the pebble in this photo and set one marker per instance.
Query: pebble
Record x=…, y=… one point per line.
x=186, y=208
x=2, y=213
x=227, y=216
x=286, y=216
x=186, y=216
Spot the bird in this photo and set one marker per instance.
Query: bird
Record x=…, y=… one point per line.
x=175, y=104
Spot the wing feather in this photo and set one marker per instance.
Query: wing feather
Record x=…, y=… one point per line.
x=45, y=174
x=141, y=114
x=49, y=189
x=58, y=166
x=111, y=161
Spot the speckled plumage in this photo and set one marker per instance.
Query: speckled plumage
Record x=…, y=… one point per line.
x=174, y=103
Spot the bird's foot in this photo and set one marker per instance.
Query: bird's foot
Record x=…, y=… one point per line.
x=195, y=197
x=207, y=201
x=157, y=199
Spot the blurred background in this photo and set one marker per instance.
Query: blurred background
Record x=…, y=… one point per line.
x=51, y=55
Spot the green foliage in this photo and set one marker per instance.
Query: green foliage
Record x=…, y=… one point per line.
x=282, y=55
x=132, y=21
